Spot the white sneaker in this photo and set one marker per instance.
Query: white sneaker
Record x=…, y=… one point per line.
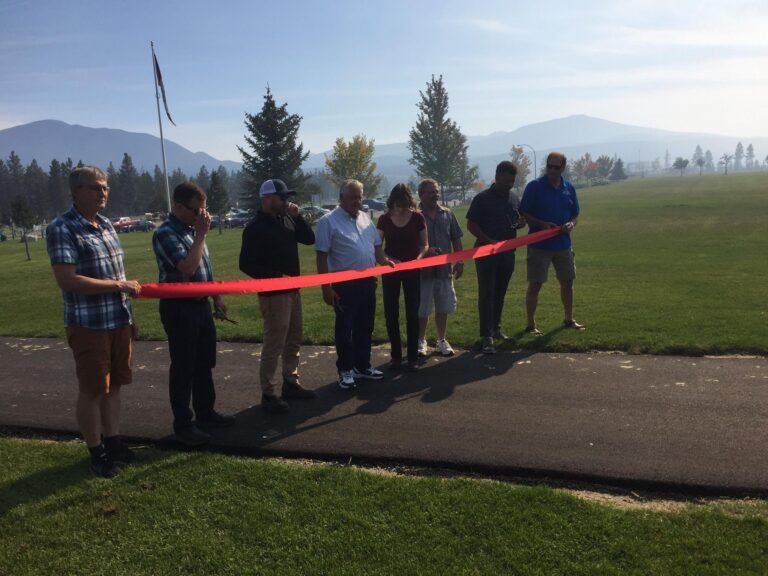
x=423, y=350
x=369, y=373
x=444, y=348
x=346, y=379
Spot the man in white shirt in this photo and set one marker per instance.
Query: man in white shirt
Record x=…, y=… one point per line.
x=346, y=239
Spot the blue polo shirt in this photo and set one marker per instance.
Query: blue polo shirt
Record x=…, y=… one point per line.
x=545, y=202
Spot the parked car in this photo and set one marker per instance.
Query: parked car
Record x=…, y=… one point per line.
x=144, y=226
x=376, y=204
x=237, y=219
x=124, y=224
x=313, y=213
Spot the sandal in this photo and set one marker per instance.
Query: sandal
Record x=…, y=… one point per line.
x=572, y=324
x=533, y=331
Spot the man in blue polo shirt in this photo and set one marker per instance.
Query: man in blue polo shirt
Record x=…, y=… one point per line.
x=550, y=202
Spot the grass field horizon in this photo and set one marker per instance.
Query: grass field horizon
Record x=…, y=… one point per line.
x=665, y=265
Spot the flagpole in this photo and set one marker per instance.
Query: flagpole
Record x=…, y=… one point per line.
x=160, y=123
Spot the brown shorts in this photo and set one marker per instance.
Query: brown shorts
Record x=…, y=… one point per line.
x=538, y=262
x=102, y=357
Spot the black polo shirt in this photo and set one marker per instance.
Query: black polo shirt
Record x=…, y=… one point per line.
x=496, y=212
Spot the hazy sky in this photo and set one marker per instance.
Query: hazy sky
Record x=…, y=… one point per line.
x=353, y=67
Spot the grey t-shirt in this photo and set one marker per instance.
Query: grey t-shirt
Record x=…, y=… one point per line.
x=442, y=230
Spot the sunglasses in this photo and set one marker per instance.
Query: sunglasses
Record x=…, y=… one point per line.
x=195, y=211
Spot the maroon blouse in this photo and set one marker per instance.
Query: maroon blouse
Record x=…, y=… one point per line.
x=402, y=243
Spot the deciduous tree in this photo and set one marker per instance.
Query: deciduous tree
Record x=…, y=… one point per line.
x=680, y=164
x=354, y=159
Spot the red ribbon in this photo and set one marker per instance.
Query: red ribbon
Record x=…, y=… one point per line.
x=200, y=289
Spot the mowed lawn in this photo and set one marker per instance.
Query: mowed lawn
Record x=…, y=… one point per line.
x=665, y=265
x=202, y=514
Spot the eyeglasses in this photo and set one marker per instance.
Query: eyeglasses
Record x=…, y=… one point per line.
x=554, y=167
x=95, y=187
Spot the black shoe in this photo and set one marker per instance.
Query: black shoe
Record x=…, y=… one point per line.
x=192, y=436
x=119, y=452
x=273, y=404
x=215, y=420
x=395, y=364
x=412, y=367
x=297, y=391
x=104, y=466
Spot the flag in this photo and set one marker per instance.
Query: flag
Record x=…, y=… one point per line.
x=162, y=87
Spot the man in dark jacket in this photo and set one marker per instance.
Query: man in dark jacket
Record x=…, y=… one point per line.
x=270, y=250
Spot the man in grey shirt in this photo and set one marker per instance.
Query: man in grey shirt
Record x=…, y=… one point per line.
x=444, y=236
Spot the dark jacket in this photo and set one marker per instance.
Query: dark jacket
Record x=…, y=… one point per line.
x=270, y=248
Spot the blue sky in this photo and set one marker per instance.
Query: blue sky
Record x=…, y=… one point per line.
x=357, y=67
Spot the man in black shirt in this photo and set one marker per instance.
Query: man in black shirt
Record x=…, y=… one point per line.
x=494, y=216
x=270, y=250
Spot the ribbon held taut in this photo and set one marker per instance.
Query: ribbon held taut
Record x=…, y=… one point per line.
x=201, y=289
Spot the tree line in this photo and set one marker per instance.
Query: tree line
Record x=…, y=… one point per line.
x=30, y=195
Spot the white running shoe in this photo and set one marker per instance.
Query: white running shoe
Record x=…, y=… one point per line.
x=346, y=379
x=369, y=373
x=423, y=350
x=444, y=348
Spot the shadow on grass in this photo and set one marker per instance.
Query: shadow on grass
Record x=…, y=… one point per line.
x=57, y=480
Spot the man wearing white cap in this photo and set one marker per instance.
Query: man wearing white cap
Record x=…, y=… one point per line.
x=270, y=250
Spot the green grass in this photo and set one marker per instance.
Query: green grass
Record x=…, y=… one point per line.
x=202, y=513
x=667, y=265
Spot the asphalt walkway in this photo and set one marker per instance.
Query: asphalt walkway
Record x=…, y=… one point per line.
x=700, y=424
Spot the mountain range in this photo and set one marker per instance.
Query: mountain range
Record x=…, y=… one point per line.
x=45, y=140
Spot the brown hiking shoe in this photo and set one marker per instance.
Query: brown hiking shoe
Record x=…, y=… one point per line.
x=297, y=391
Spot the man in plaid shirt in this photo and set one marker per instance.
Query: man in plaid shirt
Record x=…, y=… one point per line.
x=87, y=262
x=182, y=256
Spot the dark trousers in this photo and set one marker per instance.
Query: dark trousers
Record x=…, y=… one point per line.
x=390, y=284
x=493, y=275
x=355, y=314
x=192, y=343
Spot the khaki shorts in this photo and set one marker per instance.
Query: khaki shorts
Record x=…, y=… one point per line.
x=439, y=291
x=102, y=357
x=538, y=264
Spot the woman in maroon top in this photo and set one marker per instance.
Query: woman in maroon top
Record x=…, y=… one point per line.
x=404, y=231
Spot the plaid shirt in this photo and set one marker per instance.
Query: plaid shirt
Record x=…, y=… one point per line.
x=96, y=252
x=171, y=243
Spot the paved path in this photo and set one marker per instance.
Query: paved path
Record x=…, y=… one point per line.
x=699, y=423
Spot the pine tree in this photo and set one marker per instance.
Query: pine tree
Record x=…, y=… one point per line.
x=36, y=189
x=127, y=178
x=58, y=188
x=160, y=199
x=218, y=199
x=697, y=154
x=738, y=156
x=176, y=178
x=617, y=173
x=203, y=178
x=437, y=146
x=272, y=138
x=15, y=176
x=750, y=157
x=5, y=193
x=354, y=159
x=145, y=194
